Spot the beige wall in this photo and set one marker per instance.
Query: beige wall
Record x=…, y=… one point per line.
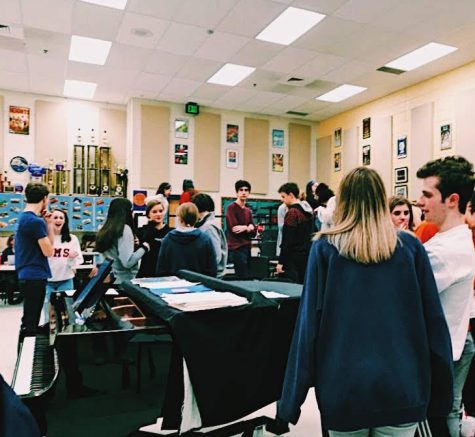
x=299, y=154
x=256, y=156
x=416, y=112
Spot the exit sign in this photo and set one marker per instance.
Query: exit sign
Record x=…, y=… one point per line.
x=192, y=108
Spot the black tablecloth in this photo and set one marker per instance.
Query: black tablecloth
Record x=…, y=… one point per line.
x=236, y=357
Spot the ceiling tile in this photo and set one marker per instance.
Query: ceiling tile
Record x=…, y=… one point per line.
x=44, y=66
x=182, y=39
x=38, y=14
x=57, y=44
x=209, y=92
x=264, y=99
x=43, y=84
x=14, y=81
x=288, y=103
x=256, y=53
x=205, y=13
x=319, y=66
x=364, y=11
x=13, y=61
x=124, y=56
x=165, y=63
x=236, y=96
x=151, y=82
x=180, y=87
x=133, y=22
x=95, y=21
x=347, y=72
x=11, y=12
x=323, y=6
x=164, y=9
x=289, y=59
x=198, y=69
x=221, y=46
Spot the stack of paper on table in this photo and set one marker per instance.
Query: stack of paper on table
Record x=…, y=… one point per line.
x=203, y=301
x=170, y=285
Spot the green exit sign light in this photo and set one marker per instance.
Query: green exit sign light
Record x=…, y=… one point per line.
x=192, y=108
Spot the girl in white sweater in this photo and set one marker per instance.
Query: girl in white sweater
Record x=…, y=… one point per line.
x=66, y=257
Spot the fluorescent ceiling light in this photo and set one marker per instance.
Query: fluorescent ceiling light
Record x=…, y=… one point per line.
x=290, y=25
x=82, y=90
x=421, y=56
x=230, y=74
x=116, y=4
x=341, y=93
x=89, y=50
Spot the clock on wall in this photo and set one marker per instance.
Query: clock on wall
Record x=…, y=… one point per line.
x=19, y=164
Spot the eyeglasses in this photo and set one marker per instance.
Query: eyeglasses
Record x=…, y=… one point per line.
x=398, y=213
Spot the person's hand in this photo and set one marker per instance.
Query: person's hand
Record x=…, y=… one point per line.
x=403, y=226
x=146, y=245
x=73, y=254
x=239, y=229
x=279, y=269
x=93, y=272
x=250, y=227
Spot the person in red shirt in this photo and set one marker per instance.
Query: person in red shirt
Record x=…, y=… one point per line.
x=240, y=229
x=188, y=191
x=425, y=231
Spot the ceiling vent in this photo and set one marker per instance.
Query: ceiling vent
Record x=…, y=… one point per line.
x=294, y=79
x=390, y=70
x=298, y=114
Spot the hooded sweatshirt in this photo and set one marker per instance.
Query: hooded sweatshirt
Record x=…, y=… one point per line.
x=185, y=249
x=296, y=233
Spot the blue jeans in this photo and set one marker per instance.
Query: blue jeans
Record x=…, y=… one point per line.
x=406, y=430
x=461, y=368
x=241, y=259
x=51, y=286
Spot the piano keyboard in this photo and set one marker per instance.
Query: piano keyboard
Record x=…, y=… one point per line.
x=36, y=367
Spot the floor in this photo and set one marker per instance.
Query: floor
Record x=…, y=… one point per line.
x=308, y=425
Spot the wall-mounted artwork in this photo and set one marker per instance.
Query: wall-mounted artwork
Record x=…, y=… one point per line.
x=400, y=175
x=367, y=155
x=401, y=147
x=400, y=190
x=337, y=135
x=445, y=137
x=232, y=133
x=19, y=120
x=278, y=162
x=337, y=161
x=181, y=154
x=278, y=138
x=366, y=128
x=232, y=158
x=181, y=128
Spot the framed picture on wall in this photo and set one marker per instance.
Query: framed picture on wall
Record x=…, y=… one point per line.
x=181, y=154
x=366, y=128
x=401, y=147
x=367, y=155
x=400, y=190
x=337, y=162
x=445, y=137
x=232, y=156
x=278, y=162
x=278, y=138
x=19, y=120
x=400, y=175
x=337, y=136
x=232, y=133
x=181, y=128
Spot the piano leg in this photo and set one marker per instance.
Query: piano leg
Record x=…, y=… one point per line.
x=37, y=407
x=68, y=361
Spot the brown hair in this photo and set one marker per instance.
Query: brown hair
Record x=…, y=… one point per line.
x=188, y=213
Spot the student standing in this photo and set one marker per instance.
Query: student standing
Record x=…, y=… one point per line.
x=296, y=234
x=240, y=229
x=370, y=336
x=33, y=244
x=164, y=191
x=447, y=186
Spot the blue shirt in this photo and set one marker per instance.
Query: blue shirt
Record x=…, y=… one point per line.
x=30, y=263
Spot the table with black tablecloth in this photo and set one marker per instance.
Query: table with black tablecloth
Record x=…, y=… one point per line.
x=235, y=356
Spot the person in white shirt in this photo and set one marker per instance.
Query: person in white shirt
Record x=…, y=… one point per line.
x=447, y=187
x=65, y=259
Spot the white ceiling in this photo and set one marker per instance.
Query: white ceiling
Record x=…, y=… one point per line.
x=174, y=62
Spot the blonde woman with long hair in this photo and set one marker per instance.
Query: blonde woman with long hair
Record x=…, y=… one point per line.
x=371, y=336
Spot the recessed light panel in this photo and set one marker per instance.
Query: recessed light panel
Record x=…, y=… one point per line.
x=79, y=89
x=341, y=93
x=421, y=56
x=230, y=74
x=290, y=25
x=89, y=50
x=116, y=4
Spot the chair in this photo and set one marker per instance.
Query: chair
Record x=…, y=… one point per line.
x=259, y=267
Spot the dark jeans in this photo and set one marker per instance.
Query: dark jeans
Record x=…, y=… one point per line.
x=242, y=261
x=33, y=291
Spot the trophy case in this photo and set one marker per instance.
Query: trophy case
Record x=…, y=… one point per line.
x=105, y=162
x=79, y=169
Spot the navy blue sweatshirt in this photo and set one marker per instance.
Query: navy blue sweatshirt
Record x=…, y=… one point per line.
x=372, y=340
x=190, y=250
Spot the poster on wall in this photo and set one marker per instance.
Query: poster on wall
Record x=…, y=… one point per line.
x=401, y=147
x=232, y=158
x=445, y=137
x=337, y=135
x=367, y=155
x=337, y=161
x=400, y=190
x=19, y=120
x=181, y=154
x=278, y=162
x=232, y=133
x=181, y=128
x=366, y=128
x=278, y=138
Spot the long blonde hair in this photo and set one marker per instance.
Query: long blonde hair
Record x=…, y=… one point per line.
x=363, y=228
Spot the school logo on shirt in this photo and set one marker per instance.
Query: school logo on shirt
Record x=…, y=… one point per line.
x=60, y=252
